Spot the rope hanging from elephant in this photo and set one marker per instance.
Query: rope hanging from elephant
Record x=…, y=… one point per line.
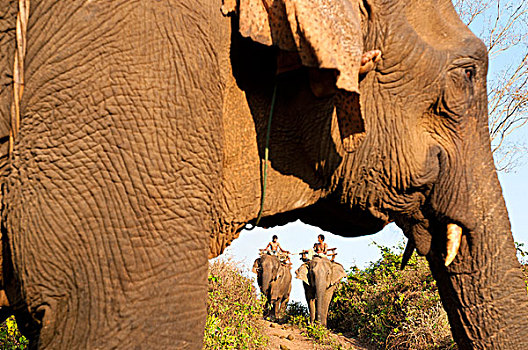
x=266, y=157
x=18, y=70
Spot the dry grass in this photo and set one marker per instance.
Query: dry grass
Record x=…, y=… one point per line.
x=392, y=309
x=234, y=312
x=429, y=330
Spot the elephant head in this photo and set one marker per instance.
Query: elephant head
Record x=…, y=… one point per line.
x=267, y=269
x=274, y=279
x=419, y=155
x=320, y=278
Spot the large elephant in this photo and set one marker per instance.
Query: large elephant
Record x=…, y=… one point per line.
x=134, y=132
x=274, y=279
x=320, y=278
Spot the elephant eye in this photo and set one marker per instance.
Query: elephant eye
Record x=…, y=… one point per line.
x=470, y=73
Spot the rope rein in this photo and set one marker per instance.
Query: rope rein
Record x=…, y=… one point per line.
x=266, y=157
x=18, y=70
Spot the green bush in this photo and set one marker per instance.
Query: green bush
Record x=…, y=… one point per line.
x=390, y=308
x=10, y=337
x=296, y=308
x=522, y=255
x=319, y=334
x=298, y=315
x=234, y=312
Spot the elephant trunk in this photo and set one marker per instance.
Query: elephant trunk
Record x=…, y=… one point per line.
x=266, y=283
x=323, y=302
x=482, y=289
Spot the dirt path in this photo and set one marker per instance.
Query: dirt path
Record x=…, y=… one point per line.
x=288, y=337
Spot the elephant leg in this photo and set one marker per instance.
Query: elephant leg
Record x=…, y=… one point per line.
x=276, y=308
x=310, y=299
x=311, y=307
x=268, y=307
x=284, y=304
x=113, y=188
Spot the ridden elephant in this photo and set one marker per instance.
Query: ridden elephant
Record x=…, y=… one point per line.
x=274, y=279
x=320, y=278
x=134, y=136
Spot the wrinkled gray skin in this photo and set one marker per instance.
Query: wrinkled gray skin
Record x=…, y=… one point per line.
x=140, y=150
x=274, y=280
x=319, y=284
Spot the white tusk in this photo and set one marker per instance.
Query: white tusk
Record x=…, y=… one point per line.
x=454, y=236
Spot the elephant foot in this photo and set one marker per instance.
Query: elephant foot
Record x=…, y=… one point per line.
x=369, y=60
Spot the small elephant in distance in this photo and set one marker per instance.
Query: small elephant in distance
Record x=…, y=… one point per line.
x=274, y=279
x=320, y=278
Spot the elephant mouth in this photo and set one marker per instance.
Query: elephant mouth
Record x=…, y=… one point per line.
x=430, y=229
x=422, y=236
x=425, y=225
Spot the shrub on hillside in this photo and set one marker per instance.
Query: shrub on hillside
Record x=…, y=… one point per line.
x=390, y=308
x=296, y=308
x=522, y=255
x=233, y=310
x=10, y=337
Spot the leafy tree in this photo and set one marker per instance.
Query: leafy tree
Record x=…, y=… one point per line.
x=502, y=26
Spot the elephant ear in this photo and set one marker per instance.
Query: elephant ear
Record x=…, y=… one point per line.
x=256, y=266
x=302, y=273
x=338, y=272
x=326, y=34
